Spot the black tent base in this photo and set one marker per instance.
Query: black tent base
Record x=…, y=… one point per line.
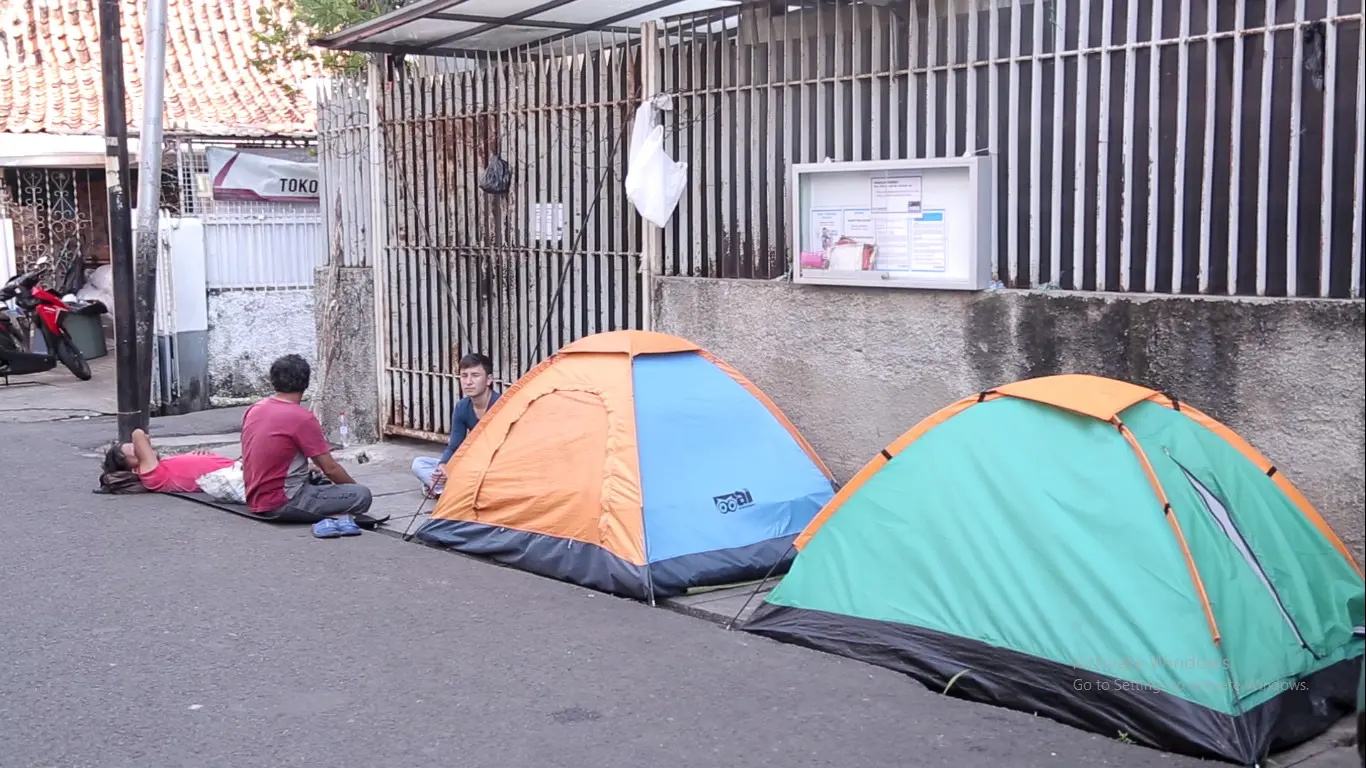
x=1080, y=698
x=364, y=521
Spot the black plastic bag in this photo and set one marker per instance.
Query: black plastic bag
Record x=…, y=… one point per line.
x=497, y=176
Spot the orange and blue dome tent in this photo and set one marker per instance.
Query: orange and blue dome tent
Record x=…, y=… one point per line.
x=634, y=463
x=1095, y=552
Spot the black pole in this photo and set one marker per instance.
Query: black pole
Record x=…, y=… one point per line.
x=116, y=179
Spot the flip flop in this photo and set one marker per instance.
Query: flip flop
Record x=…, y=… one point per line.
x=327, y=529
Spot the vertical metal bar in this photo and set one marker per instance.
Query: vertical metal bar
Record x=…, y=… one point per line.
x=602, y=212
x=839, y=117
x=1292, y=201
x=409, y=255
x=1079, y=176
x=671, y=122
x=650, y=63
x=1235, y=192
x=1359, y=177
x=860, y=107
x=380, y=197
x=932, y=130
x=810, y=89
x=700, y=120
x=523, y=239
x=718, y=178
x=1103, y=151
x=1264, y=145
x=895, y=115
x=1206, y=207
x=750, y=146
x=572, y=298
x=882, y=83
x=773, y=182
x=730, y=109
x=1183, y=75
x=993, y=111
x=1035, y=151
x=951, y=78
x=425, y=255
x=1154, y=162
x=1055, y=181
x=441, y=313
x=971, y=59
x=915, y=114
x=1127, y=217
x=1330, y=97
x=547, y=267
x=1013, y=161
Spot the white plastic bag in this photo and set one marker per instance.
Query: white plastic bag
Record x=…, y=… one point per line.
x=654, y=181
x=227, y=484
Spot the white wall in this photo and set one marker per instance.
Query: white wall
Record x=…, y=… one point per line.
x=248, y=330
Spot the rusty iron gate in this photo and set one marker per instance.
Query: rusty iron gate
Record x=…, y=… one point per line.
x=515, y=275
x=1168, y=146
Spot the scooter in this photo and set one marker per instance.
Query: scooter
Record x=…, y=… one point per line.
x=16, y=355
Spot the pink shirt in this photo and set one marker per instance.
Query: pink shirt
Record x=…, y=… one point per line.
x=278, y=439
x=180, y=474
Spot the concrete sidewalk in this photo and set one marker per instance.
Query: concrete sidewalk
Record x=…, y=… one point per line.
x=385, y=469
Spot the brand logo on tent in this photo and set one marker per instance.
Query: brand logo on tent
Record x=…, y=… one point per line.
x=733, y=501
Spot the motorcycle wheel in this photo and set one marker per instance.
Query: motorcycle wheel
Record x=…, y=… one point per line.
x=71, y=357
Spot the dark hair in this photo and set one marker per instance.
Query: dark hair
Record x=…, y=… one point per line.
x=474, y=359
x=114, y=460
x=115, y=476
x=290, y=374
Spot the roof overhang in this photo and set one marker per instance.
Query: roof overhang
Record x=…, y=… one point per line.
x=48, y=150
x=478, y=28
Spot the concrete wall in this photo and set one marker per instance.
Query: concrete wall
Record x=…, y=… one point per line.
x=344, y=379
x=855, y=368
x=248, y=330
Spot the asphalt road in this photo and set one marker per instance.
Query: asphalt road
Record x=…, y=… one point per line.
x=146, y=631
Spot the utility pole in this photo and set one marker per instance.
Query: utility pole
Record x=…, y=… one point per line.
x=149, y=198
x=120, y=224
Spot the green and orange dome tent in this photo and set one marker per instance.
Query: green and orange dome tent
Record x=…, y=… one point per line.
x=1093, y=551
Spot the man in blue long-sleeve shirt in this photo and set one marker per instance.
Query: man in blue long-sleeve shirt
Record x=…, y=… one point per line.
x=476, y=384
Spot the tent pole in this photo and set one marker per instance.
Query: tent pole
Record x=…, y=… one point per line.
x=768, y=575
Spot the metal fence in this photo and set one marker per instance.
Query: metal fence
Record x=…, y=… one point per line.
x=1171, y=146
x=345, y=170
x=513, y=275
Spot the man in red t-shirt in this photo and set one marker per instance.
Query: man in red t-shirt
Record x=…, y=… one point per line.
x=279, y=438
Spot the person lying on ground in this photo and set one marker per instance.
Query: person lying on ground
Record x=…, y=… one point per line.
x=476, y=384
x=279, y=439
x=136, y=466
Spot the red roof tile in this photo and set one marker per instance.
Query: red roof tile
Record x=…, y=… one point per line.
x=50, y=70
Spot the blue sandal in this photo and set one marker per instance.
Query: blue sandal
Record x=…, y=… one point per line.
x=327, y=529
x=346, y=526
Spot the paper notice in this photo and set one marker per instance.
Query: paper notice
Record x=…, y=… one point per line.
x=893, y=242
x=827, y=224
x=929, y=243
x=858, y=225
x=898, y=193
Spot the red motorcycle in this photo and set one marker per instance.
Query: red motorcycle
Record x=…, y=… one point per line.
x=16, y=355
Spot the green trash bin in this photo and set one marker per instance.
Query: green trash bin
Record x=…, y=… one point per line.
x=88, y=333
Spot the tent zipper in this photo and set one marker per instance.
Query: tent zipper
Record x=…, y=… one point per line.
x=1244, y=548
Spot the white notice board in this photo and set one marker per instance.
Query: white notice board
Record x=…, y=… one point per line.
x=894, y=223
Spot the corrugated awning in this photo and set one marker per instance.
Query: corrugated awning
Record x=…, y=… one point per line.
x=481, y=27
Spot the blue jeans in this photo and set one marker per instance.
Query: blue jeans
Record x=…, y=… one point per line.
x=423, y=467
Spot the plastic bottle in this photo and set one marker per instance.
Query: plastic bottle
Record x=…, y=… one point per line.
x=343, y=430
